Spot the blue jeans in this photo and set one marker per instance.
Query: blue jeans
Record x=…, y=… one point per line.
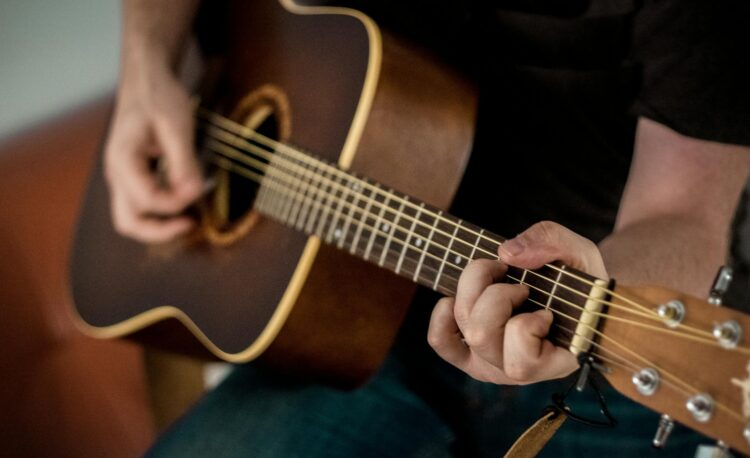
x=257, y=414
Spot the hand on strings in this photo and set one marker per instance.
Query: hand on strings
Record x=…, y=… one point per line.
x=152, y=124
x=477, y=332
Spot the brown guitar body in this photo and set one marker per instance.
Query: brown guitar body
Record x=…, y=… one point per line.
x=352, y=95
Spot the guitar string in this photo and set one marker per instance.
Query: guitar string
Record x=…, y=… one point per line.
x=651, y=316
x=238, y=129
x=226, y=150
x=613, y=294
x=246, y=133
x=568, y=317
x=223, y=148
x=650, y=313
x=261, y=166
x=673, y=332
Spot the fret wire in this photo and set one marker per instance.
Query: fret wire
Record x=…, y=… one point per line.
x=271, y=196
x=310, y=224
x=552, y=291
x=378, y=222
x=445, y=256
x=310, y=217
x=476, y=244
x=297, y=209
x=337, y=214
x=360, y=226
x=354, y=207
x=279, y=202
x=310, y=197
x=357, y=207
x=327, y=198
x=427, y=246
x=391, y=232
x=287, y=207
x=263, y=200
x=262, y=195
x=409, y=236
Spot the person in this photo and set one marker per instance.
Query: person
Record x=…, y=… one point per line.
x=624, y=122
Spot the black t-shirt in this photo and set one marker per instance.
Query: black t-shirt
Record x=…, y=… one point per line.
x=562, y=84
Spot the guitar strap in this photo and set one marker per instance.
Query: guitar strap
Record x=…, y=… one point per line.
x=536, y=437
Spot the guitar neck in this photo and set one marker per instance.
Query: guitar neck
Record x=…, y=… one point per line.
x=404, y=235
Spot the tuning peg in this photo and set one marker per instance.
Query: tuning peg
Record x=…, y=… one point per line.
x=721, y=285
x=666, y=424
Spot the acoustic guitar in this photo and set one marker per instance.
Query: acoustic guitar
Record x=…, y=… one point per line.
x=295, y=257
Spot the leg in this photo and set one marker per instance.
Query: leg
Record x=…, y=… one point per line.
x=256, y=414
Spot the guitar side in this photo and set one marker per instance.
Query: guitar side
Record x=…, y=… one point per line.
x=365, y=101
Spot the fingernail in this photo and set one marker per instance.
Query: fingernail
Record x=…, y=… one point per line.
x=546, y=314
x=512, y=247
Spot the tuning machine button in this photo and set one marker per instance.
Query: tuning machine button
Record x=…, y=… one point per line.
x=721, y=285
x=672, y=312
x=701, y=406
x=666, y=425
x=646, y=381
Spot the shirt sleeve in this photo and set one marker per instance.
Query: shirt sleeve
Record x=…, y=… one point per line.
x=695, y=57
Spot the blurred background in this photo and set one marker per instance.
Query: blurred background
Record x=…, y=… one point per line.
x=54, y=55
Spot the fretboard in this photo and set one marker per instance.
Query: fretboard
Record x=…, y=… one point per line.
x=404, y=235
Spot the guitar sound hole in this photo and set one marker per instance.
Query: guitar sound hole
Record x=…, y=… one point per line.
x=228, y=212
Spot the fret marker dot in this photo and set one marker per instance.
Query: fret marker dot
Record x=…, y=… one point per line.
x=418, y=242
x=337, y=234
x=386, y=227
x=457, y=259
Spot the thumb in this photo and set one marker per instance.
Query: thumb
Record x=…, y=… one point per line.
x=546, y=242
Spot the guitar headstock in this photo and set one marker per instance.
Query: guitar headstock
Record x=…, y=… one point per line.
x=680, y=356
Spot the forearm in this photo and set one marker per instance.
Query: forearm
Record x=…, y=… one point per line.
x=671, y=251
x=673, y=226
x=155, y=31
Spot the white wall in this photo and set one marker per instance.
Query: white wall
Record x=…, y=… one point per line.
x=54, y=55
